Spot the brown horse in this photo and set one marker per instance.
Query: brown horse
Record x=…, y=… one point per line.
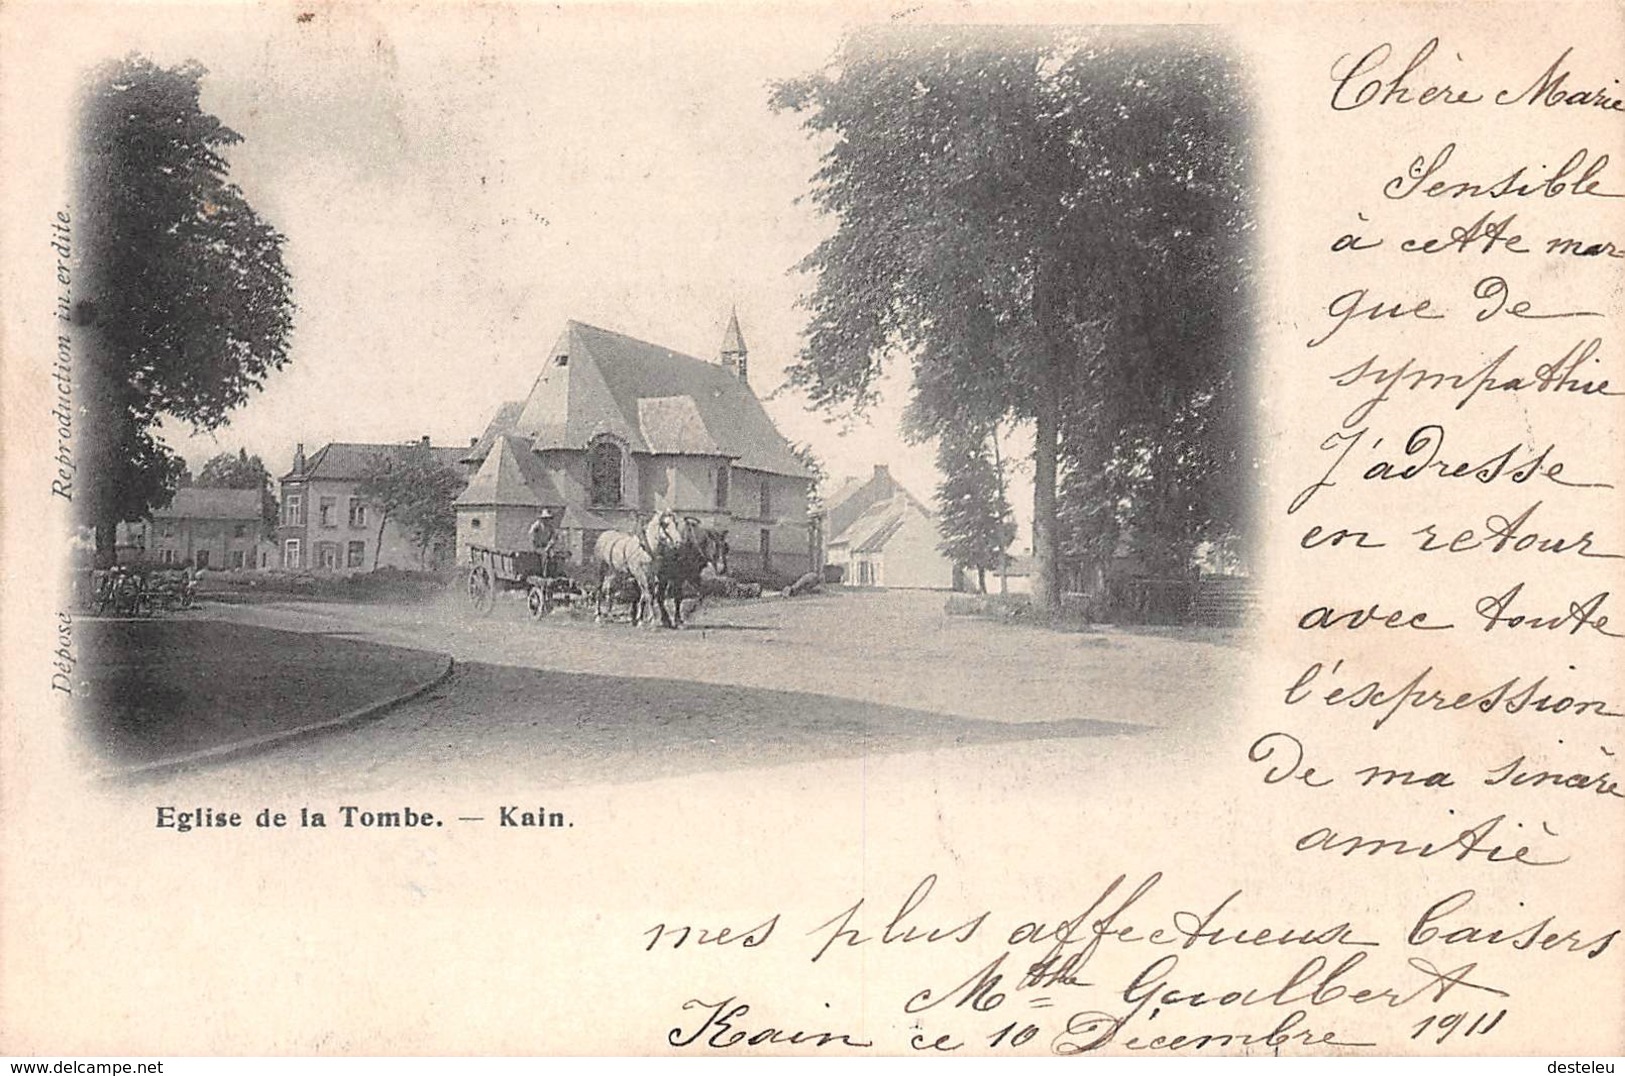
x=677, y=567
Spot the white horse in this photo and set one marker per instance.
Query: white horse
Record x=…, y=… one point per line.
x=620, y=554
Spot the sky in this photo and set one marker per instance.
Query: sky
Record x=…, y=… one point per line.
x=455, y=186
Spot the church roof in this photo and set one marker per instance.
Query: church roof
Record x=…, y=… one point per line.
x=733, y=341
x=511, y=474
x=503, y=420
x=673, y=425
x=656, y=400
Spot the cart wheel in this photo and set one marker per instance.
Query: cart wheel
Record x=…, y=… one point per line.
x=539, y=601
x=481, y=589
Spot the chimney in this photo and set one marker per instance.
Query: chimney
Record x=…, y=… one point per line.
x=423, y=441
x=299, y=458
x=473, y=441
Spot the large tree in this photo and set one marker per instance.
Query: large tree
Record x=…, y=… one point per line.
x=239, y=470
x=184, y=303
x=973, y=513
x=803, y=451
x=1046, y=225
x=412, y=487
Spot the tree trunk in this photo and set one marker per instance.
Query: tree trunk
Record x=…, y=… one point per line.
x=981, y=579
x=1049, y=300
x=1046, y=440
x=1004, y=501
x=378, y=546
x=106, y=544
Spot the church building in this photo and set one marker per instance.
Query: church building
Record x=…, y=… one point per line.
x=615, y=429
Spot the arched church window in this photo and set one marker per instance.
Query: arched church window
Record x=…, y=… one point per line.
x=604, y=460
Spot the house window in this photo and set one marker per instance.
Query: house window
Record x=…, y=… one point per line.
x=767, y=549
x=329, y=554
x=766, y=499
x=561, y=360
x=724, y=473
x=265, y=559
x=328, y=510
x=355, y=556
x=239, y=531
x=236, y=558
x=293, y=510
x=358, y=512
x=474, y=523
x=604, y=460
x=290, y=553
x=167, y=556
x=203, y=558
x=169, y=530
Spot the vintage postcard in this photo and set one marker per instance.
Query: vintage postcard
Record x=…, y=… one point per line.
x=850, y=529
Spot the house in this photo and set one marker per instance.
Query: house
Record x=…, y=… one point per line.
x=615, y=429
x=327, y=525
x=200, y=528
x=892, y=542
x=855, y=496
x=1017, y=576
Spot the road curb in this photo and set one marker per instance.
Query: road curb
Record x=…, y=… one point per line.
x=274, y=739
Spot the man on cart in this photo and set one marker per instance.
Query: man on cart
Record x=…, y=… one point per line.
x=543, y=533
x=544, y=539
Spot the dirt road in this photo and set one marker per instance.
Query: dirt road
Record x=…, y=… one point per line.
x=749, y=684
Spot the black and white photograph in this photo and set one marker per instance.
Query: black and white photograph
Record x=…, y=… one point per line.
x=950, y=248
x=731, y=530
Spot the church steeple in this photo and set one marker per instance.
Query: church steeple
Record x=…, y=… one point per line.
x=735, y=356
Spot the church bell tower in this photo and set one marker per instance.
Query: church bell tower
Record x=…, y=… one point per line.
x=735, y=357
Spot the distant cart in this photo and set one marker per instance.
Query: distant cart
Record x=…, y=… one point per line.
x=129, y=591
x=542, y=577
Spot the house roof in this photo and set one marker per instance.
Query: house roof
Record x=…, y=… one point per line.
x=842, y=493
x=349, y=461
x=876, y=541
x=870, y=532
x=654, y=399
x=194, y=502
x=856, y=496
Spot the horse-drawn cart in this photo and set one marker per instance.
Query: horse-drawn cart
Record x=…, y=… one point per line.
x=542, y=576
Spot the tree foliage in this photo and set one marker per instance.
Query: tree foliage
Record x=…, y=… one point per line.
x=186, y=302
x=1050, y=227
x=803, y=451
x=239, y=470
x=974, y=515
x=412, y=487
